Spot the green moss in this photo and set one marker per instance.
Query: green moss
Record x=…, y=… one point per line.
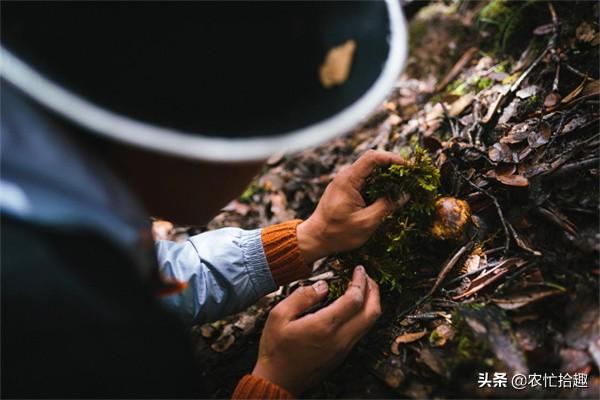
x=494, y=12
x=506, y=17
x=250, y=191
x=418, y=177
x=337, y=288
x=502, y=67
x=458, y=88
x=511, y=78
x=476, y=84
x=467, y=349
x=394, y=249
x=483, y=83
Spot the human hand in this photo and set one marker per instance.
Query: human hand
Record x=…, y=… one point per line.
x=296, y=352
x=342, y=221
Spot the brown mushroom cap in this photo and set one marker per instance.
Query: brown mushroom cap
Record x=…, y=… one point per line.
x=451, y=217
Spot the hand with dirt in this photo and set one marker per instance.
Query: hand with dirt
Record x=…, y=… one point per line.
x=342, y=220
x=296, y=352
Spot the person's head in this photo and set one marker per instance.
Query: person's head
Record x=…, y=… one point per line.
x=194, y=96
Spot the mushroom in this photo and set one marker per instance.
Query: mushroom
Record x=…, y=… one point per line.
x=451, y=218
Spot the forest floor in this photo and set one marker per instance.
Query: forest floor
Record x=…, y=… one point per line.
x=505, y=98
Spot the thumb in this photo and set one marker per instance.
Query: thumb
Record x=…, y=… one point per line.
x=302, y=299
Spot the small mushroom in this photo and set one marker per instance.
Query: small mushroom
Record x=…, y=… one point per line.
x=451, y=218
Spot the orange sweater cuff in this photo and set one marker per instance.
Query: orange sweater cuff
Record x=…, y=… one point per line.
x=252, y=387
x=283, y=254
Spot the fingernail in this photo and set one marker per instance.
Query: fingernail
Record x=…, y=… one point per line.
x=320, y=287
x=361, y=269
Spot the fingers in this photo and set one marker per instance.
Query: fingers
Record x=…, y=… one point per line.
x=358, y=326
x=300, y=300
x=376, y=212
x=381, y=208
x=350, y=303
x=372, y=309
x=365, y=164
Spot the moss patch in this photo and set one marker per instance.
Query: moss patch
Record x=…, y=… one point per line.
x=393, y=250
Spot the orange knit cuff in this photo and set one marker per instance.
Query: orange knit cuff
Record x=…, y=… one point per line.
x=252, y=387
x=283, y=254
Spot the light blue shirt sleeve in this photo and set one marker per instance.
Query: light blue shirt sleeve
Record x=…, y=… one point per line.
x=226, y=270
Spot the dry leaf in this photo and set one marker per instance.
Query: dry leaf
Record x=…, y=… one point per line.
x=513, y=180
x=523, y=155
x=524, y=297
x=461, y=104
x=590, y=89
x=517, y=133
x=406, y=338
x=574, y=123
x=585, y=32
x=441, y=335
x=571, y=96
x=552, y=99
x=410, y=337
x=336, y=67
x=490, y=276
x=207, y=331
x=544, y=29
x=500, y=152
x=238, y=207
x=505, y=169
x=540, y=136
x=527, y=92
x=224, y=342
x=471, y=264
x=429, y=358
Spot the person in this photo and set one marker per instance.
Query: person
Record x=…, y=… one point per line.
x=91, y=307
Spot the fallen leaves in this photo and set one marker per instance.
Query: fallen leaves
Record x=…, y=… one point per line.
x=441, y=335
x=500, y=152
x=406, y=338
x=525, y=296
x=513, y=180
x=518, y=132
x=489, y=276
x=585, y=32
x=539, y=136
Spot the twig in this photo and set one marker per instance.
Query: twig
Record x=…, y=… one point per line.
x=520, y=241
x=449, y=120
x=492, y=251
x=498, y=209
x=417, y=303
x=467, y=274
x=512, y=277
x=445, y=270
x=460, y=64
x=505, y=224
x=576, y=71
x=576, y=166
x=513, y=88
x=448, y=267
x=561, y=125
x=556, y=77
